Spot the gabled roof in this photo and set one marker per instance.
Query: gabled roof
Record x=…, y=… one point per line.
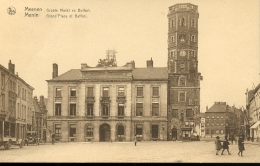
x=155, y=73
x=71, y=75
x=218, y=107
x=250, y=95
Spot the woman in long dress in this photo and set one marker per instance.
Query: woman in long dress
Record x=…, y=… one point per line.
x=218, y=145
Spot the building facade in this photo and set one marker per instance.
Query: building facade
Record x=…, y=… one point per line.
x=253, y=107
x=16, y=105
x=184, y=78
x=108, y=103
x=202, y=125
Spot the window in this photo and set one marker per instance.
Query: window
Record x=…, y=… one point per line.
x=193, y=23
x=172, y=38
x=175, y=113
x=154, y=131
x=57, y=131
x=217, y=117
x=172, y=54
x=72, y=130
x=3, y=80
x=181, y=96
x=212, y=124
x=217, y=123
x=89, y=132
x=10, y=85
x=57, y=109
x=121, y=91
x=90, y=109
x=207, y=117
x=189, y=113
x=172, y=23
x=90, y=92
x=104, y=109
x=193, y=38
x=182, y=66
x=155, y=91
x=120, y=131
x=182, y=81
x=221, y=124
x=22, y=93
x=72, y=92
x=212, y=117
x=25, y=95
x=139, y=130
x=217, y=131
x=105, y=92
x=58, y=92
x=221, y=116
x=139, y=91
x=182, y=21
x=207, y=131
x=221, y=131
x=121, y=108
x=72, y=109
x=139, y=109
x=13, y=86
x=19, y=89
x=155, y=109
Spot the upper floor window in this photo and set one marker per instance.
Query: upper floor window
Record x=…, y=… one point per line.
x=193, y=23
x=217, y=117
x=105, y=92
x=182, y=66
x=221, y=116
x=72, y=92
x=3, y=79
x=189, y=113
x=193, y=38
x=182, y=97
x=155, y=91
x=139, y=109
x=155, y=109
x=90, y=92
x=121, y=108
x=182, y=22
x=182, y=81
x=212, y=124
x=172, y=39
x=14, y=86
x=19, y=89
x=58, y=92
x=10, y=85
x=121, y=91
x=171, y=54
x=90, y=109
x=57, y=109
x=105, y=109
x=175, y=113
x=25, y=95
x=72, y=109
x=207, y=117
x=140, y=91
x=212, y=117
x=172, y=23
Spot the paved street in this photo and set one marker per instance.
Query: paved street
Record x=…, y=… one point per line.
x=169, y=152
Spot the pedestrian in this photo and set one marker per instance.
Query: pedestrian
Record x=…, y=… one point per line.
x=241, y=146
x=232, y=138
x=53, y=138
x=218, y=145
x=135, y=140
x=225, y=146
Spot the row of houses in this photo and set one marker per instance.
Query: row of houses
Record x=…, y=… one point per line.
x=18, y=110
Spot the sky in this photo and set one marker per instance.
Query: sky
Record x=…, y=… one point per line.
x=228, y=41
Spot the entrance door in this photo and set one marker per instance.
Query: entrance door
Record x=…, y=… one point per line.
x=174, y=134
x=104, y=133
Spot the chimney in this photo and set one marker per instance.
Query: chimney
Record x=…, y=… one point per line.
x=207, y=108
x=55, y=70
x=133, y=64
x=149, y=63
x=11, y=67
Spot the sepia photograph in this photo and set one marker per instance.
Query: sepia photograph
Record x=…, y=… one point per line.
x=120, y=81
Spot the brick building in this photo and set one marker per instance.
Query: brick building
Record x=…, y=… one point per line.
x=15, y=105
x=184, y=78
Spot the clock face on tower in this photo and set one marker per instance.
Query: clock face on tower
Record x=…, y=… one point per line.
x=182, y=38
x=182, y=53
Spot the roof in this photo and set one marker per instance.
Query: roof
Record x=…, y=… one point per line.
x=71, y=75
x=250, y=95
x=155, y=73
x=202, y=115
x=218, y=107
x=255, y=125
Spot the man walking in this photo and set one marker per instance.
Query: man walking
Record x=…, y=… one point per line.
x=135, y=139
x=225, y=146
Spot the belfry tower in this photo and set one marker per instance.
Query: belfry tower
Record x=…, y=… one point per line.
x=184, y=78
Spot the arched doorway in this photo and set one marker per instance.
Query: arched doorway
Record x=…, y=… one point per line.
x=104, y=133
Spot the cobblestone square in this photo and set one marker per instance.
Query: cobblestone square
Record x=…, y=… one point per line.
x=164, y=152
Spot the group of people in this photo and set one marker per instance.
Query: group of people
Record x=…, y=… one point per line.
x=225, y=146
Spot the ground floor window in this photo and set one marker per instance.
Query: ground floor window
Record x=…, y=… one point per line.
x=120, y=131
x=6, y=129
x=207, y=131
x=57, y=131
x=221, y=131
x=72, y=130
x=217, y=131
x=155, y=131
x=89, y=131
x=139, y=130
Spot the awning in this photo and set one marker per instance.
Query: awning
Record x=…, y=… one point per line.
x=255, y=125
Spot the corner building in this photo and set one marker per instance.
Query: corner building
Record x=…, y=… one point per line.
x=184, y=78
